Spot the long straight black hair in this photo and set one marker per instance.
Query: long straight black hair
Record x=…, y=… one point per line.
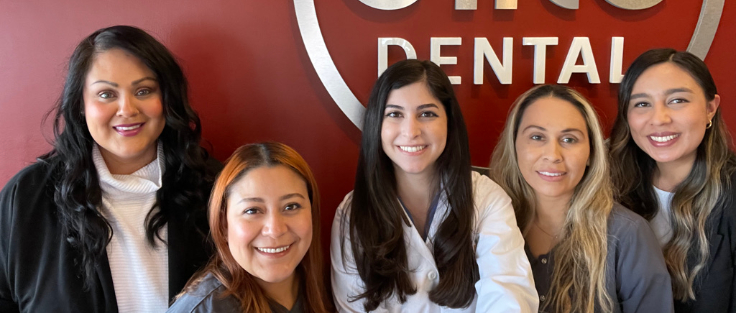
x=376, y=218
x=77, y=187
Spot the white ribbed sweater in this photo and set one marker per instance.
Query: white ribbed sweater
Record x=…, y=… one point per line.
x=140, y=273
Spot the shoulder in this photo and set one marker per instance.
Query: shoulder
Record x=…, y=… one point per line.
x=487, y=193
x=622, y=221
x=35, y=175
x=32, y=185
x=342, y=215
x=205, y=296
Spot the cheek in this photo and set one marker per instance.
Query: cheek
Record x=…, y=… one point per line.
x=97, y=113
x=154, y=109
x=240, y=234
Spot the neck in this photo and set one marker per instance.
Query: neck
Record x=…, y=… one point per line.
x=284, y=292
x=416, y=186
x=551, y=212
x=126, y=166
x=670, y=174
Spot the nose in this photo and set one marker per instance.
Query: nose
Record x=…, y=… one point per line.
x=552, y=152
x=661, y=114
x=410, y=127
x=275, y=225
x=127, y=106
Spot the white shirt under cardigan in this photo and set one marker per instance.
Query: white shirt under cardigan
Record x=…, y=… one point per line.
x=140, y=273
x=661, y=222
x=506, y=283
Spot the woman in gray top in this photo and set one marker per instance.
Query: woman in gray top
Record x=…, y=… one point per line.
x=587, y=253
x=264, y=218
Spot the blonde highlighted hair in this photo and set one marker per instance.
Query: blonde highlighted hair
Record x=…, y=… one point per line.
x=239, y=283
x=579, y=274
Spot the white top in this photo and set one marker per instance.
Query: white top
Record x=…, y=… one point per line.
x=140, y=273
x=661, y=222
x=505, y=285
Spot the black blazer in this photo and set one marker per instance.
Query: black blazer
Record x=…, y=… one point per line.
x=37, y=268
x=715, y=285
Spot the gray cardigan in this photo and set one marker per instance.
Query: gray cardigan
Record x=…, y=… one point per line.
x=207, y=296
x=636, y=275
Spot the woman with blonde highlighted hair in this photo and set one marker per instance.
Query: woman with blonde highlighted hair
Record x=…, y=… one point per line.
x=265, y=220
x=588, y=254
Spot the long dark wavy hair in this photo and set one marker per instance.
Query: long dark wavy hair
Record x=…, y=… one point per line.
x=77, y=188
x=376, y=218
x=237, y=281
x=697, y=196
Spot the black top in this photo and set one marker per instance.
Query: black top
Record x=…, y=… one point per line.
x=715, y=285
x=207, y=296
x=37, y=265
x=636, y=275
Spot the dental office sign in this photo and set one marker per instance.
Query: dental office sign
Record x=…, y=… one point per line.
x=498, y=58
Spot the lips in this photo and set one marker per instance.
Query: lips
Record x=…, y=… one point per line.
x=663, y=139
x=128, y=130
x=551, y=176
x=274, y=251
x=413, y=149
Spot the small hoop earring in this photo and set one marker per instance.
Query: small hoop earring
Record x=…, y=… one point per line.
x=710, y=123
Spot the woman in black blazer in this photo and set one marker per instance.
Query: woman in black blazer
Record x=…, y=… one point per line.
x=672, y=163
x=124, y=132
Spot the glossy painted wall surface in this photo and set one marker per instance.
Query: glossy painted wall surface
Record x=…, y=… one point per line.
x=251, y=79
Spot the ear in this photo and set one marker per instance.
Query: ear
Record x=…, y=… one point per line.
x=712, y=106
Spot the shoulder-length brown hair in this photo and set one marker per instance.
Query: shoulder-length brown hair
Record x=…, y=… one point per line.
x=239, y=283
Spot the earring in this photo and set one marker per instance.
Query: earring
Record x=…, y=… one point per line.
x=710, y=123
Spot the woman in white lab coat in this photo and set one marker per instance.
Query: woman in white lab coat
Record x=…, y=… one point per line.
x=421, y=232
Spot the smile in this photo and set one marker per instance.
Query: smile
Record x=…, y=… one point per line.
x=127, y=127
x=274, y=250
x=412, y=148
x=550, y=174
x=664, y=138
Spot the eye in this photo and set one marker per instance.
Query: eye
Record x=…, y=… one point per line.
x=393, y=114
x=143, y=92
x=640, y=105
x=536, y=137
x=292, y=207
x=569, y=140
x=250, y=211
x=428, y=114
x=679, y=101
x=106, y=94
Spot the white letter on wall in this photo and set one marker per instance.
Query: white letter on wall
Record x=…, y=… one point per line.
x=616, y=75
x=502, y=70
x=540, y=54
x=580, y=47
x=473, y=4
x=434, y=53
x=383, y=44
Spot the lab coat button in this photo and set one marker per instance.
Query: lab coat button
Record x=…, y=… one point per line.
x=432, y=275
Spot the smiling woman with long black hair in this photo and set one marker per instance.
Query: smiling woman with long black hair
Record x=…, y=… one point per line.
x=114, y=217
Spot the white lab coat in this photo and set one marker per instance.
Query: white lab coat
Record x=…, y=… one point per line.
x=506, y=283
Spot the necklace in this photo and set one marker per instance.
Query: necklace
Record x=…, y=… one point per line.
x=536, y=224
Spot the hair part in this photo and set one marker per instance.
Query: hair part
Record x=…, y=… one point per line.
x=579, y=274
x=377, y=219
x=239, y=283
x=697, y=196
x=77, y=188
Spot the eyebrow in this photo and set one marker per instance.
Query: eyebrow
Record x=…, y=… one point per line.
x=135, y=82
x=284, y=197
x=421, y=107
x=566, y=130
x=666, y=93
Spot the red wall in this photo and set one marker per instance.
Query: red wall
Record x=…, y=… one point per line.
x=251, y=78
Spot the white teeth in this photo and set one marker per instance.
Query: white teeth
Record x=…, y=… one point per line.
x=128, y=127
x=412, y=148
x=277, y=250
x=551, y=174
x=663, y=138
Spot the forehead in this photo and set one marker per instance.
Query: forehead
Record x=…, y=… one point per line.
x=118, y=64
x=663, y=76
x=268, y=181
x=412, y=95
x=552, y=114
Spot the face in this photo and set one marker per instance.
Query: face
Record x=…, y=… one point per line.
x=414, y=129
x=668, y=114
x=552, y=147
x=269, y=220
x=122, y=107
